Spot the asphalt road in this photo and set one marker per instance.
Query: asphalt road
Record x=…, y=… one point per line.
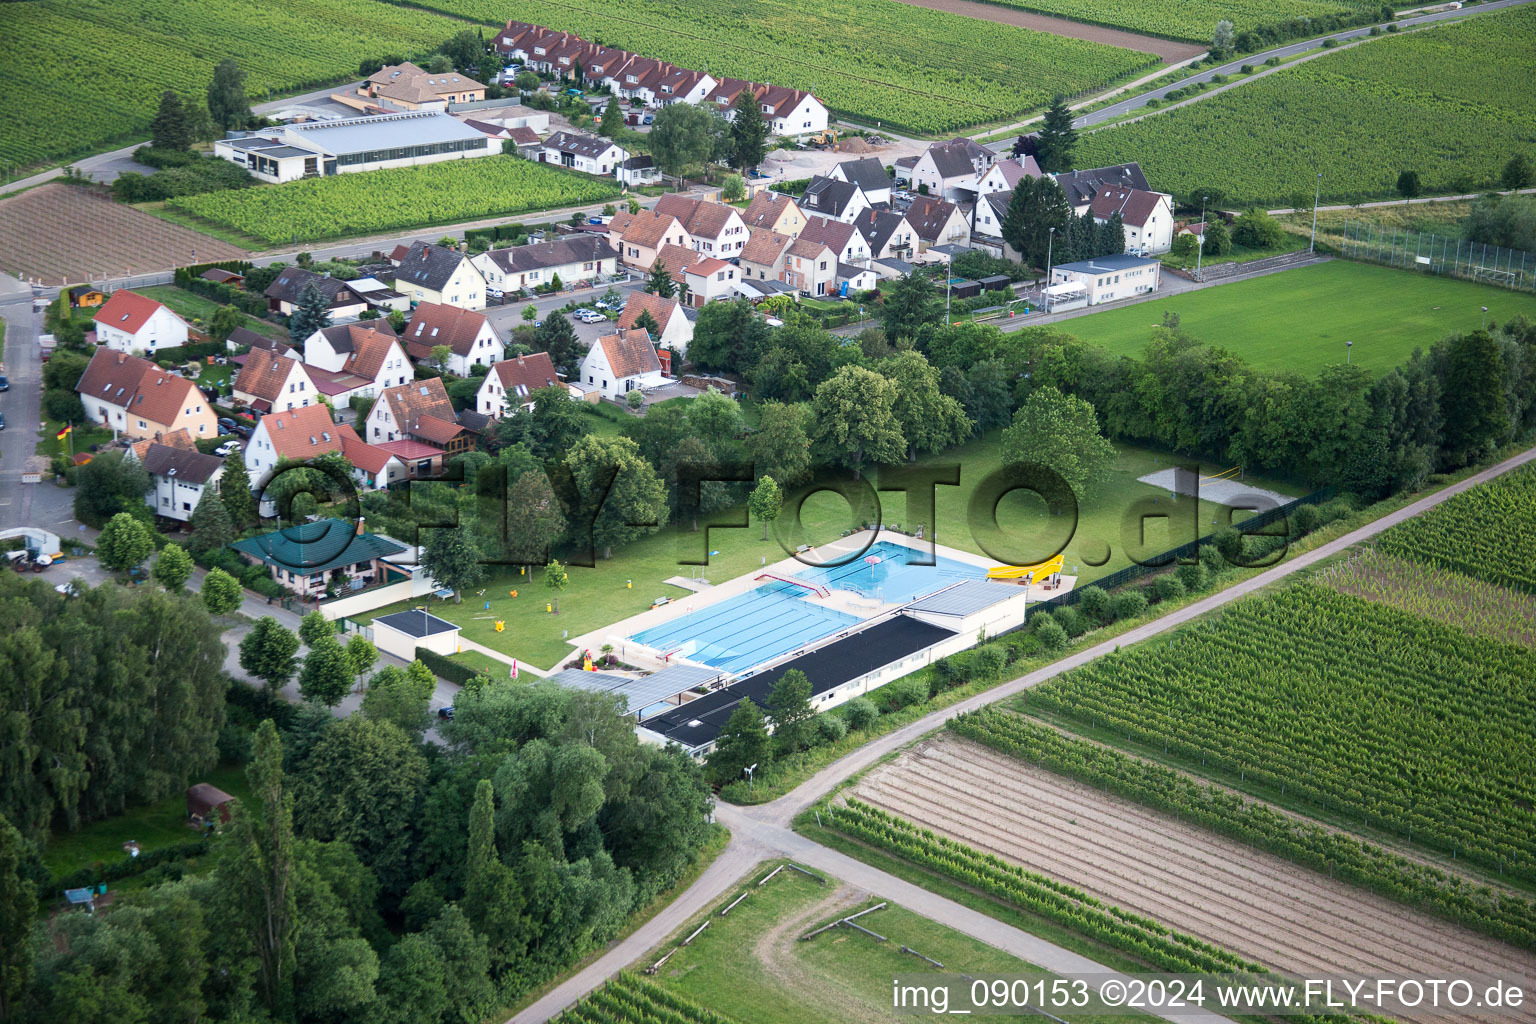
x=758, y=833
x=30, y=504
x=1140, y=100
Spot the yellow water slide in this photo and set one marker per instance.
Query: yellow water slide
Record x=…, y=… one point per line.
x=1036, y=573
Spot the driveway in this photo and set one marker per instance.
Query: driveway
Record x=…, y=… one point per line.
x=764, y=831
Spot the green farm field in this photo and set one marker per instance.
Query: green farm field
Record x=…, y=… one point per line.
x=348, y=205
x=597, y=596
x=1188, y=19
x=1484, y=533
x=857, y=57
x=1358, y=117
x=751, y=967
x=1372, y=716
x=1301, y=319
x=55, y=105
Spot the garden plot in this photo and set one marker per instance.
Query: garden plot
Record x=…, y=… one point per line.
x=1251, y=903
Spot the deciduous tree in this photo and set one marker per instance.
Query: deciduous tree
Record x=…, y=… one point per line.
x=854, y=420
x=221, y=592
x=780, y=447
x=227, y=102
x=766, y=502
x=18, y=909
x=910, y=306
x=622, y=496
x=929, y=419
x=1060, y=432
x=107, y=485
x=681, y=137
x=789, y=705
x=267, y=652
x=173, y=568
x=555, y=579
x=742, y=743
x=124, y=544
x=453, y=560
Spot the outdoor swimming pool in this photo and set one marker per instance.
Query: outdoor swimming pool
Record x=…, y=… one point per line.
x=891, y=579
x=776, y=618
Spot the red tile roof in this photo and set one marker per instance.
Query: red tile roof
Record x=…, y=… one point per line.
x=630, y=353
x=434, y=324
x=127, y=311
x=302, y=433
x=265, y=373
x=368, y=457
x=661, y=309
x=529, y=372
x=409, y=449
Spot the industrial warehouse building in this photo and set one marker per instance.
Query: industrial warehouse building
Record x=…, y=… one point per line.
x=320, y=148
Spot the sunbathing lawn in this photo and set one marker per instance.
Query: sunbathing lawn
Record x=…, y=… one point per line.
x=1300, y=319
x=628, y=583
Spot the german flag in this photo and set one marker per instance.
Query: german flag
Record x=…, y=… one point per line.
x=62, y=434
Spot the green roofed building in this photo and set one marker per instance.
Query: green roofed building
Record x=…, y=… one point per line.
x=308, y=558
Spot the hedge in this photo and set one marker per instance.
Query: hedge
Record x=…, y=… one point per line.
x=445, y=668
x=93, y=875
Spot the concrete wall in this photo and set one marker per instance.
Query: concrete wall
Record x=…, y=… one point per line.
x=367, y=601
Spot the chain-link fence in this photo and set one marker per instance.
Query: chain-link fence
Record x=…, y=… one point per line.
x=1440, y=254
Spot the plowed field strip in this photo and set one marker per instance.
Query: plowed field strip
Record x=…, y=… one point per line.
x=1171, y=51
x=1250, y=902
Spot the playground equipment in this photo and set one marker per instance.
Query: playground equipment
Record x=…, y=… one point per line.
x=1036, y=573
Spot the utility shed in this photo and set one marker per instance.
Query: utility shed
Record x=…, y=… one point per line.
x=204, y=800
x=401, y=633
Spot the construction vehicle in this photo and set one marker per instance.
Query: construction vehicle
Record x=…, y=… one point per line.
x=823, y=139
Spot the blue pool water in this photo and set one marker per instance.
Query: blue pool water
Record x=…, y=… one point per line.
x=892, y=579
x=776, y=618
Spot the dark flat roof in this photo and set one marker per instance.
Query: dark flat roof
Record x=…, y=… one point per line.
x=417, y=623
x=700, y=721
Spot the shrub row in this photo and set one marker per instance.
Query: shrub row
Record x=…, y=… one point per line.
x=126, y=868
x=445, y=667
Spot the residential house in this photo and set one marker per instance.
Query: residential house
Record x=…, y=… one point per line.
x=936, y=222
x=526, y=141
x=322, y=148
x=762, y=258
x=620, y=363
x=511, y=383
x=136, y=398
x=833, y=199
x=381, y=298
x=987, y=225
x=269, y=382
x=178, y=477
x=811, y=267
x=132, y=323
x=676, y=327
x=1081, y=186
x=432, y=273
x=841, y=237
x=373, y=467
x=312, y=558
x=367, y=349
x=852, y=279
x=294, y=435
x=1102, y=279
x=421, y=461
x=641, y=235
x=341, y=300
x=243, y=339
x=1004, y=175
x=1145, y=217
x=572, y=258
x=638, y=170
x=791, y=112
x=869, y=174
x=591, y=154
x=408, y=87
x=469, y=336
x=903, y=169
x=776, y=212
x=709, y=279
x=713, y=228
x=886, y=233
x=676, y=85
x=951, y=170
x=418, y=411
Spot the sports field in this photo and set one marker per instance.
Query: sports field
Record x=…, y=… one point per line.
x=1301, y=319
x=752, y=967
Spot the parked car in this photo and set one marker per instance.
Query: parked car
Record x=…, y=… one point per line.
x=2, y=421
x=590, y=316
x=5, y=383
x=227, y=448
x=243, y=431
x=445, y=713
x=648, y=119
x=226, y=425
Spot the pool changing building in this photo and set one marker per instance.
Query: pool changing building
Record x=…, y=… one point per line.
x=322, y=148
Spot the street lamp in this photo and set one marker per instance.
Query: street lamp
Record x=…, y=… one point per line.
x=1485, y=318
x=1317, y=194
x=1348, y=352
x=1049, y=248
x=1200, y=242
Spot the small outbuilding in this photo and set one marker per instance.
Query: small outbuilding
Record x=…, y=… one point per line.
x=401, y=633
x=995, y=283
x=205, y=801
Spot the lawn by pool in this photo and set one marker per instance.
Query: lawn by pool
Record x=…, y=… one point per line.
x=1300, y=319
